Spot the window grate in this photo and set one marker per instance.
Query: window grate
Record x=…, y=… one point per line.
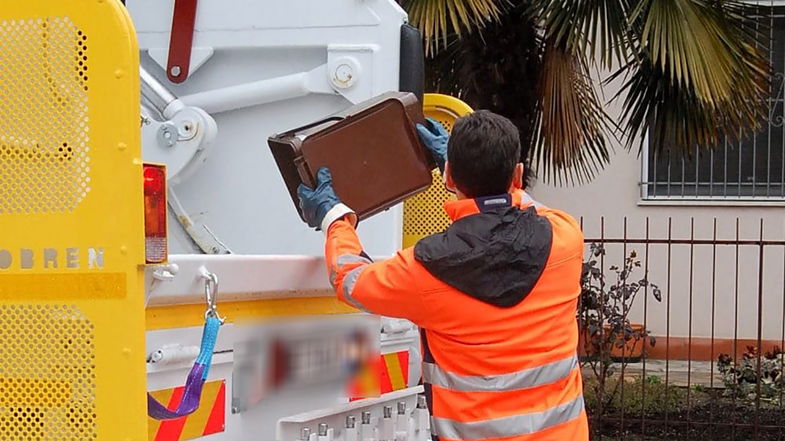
x=750, y=169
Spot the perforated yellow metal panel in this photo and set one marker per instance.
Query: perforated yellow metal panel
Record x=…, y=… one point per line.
x=71, y=224
x=423, y=214
x=47, y=384
x=44, y=156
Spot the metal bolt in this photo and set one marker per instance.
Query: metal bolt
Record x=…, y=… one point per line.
x=387, y=411
x=156, y=356
x=402, y=408
x=322, y=429
x=305, y=434
x=350, y=422
x=344, y=74
x=175, y=71
x=366, y=417
x=167, y=135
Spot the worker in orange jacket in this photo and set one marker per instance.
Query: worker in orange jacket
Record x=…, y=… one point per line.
x=494, y=295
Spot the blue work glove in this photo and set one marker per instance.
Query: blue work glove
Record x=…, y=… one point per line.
x=435, y=138
x=321, y=206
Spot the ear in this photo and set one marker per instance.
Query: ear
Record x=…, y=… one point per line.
x=449, y=183
x=517, y=177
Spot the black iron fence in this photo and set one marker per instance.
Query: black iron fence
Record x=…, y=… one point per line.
x=681, y=334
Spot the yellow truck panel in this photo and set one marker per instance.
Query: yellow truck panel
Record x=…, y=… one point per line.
x=71, y=223
x=423, y=214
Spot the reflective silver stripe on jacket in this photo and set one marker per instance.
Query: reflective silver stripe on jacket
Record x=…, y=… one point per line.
x=348, y=286
x=523, y=379
x=343, y=260
x=514, y=425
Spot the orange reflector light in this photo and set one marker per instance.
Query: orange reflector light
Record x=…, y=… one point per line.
x=155, y=213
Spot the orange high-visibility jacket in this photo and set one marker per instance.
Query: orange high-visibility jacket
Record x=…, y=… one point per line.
x=495, y=297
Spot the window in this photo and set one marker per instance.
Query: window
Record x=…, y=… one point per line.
x=750, y=169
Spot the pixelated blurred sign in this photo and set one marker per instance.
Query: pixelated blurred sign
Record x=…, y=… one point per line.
x=389, y=373
x=292, y=356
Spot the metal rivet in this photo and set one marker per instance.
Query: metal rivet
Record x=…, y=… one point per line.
x=167, y=135
x=5, y=259
x=118, y=73
x=122, y=146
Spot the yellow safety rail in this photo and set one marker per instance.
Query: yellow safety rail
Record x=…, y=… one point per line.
x=71, y=223
x=423, y=214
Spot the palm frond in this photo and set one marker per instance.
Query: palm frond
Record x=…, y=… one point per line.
x=495, y=69
x=437, y=19
x=702, y=75
x=597, y=28
x=693, y=72
x=572, y=129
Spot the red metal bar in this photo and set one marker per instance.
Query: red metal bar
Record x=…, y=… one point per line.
x=668, y=321
x=645, y=326
x=760, y=332
x=689, y=325
x=623, y=348
x=181, y=40
x=736, y=317
x=713, y=311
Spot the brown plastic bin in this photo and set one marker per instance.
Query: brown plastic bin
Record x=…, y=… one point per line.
x=372, y=150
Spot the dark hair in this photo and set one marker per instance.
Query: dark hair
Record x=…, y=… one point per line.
x=483, y=150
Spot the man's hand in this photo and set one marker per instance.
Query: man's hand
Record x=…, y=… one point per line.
x=435, y=138
x=321, y=206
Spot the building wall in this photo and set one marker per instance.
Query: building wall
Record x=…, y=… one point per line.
x=614, y=196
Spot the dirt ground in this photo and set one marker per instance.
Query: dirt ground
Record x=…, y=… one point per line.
x=715, y=421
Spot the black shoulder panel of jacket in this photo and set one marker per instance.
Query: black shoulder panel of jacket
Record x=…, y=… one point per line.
x=497, y=256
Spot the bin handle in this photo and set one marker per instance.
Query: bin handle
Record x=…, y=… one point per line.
x=311, y=125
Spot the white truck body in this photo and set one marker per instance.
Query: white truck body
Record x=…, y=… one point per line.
x=258, y=68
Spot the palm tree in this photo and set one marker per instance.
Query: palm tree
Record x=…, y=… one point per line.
x=692, y=73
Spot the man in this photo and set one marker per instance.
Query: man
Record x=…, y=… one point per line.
x=494, y=295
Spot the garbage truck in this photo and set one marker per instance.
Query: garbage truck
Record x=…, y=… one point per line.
x=156, y=282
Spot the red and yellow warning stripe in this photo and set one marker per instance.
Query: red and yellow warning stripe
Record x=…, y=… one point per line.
x=209, y=418
x=395, y=371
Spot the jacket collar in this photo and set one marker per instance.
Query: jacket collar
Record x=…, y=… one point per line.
x=496, y=257
x=457, y=209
